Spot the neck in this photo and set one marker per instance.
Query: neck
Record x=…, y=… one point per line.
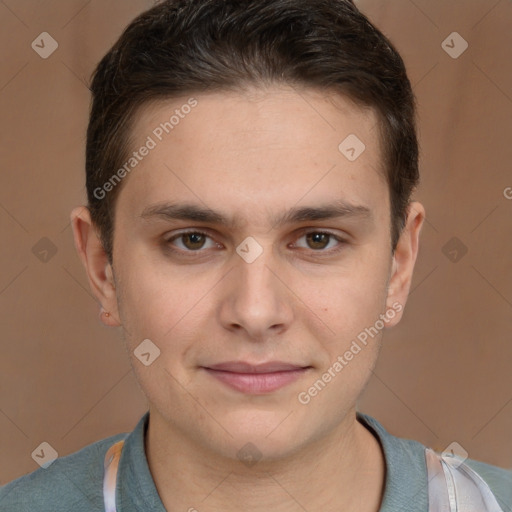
x=344, y=470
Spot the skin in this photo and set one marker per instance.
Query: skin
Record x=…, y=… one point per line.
x=253, y=156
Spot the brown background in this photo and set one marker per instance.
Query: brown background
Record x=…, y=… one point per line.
x=445, y=370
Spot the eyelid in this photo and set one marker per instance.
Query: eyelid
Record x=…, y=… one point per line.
x=307, y=231
x=197, y=231
x=342, y=241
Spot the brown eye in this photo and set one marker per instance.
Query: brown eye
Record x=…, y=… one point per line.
x=191, y=241
x=322, y=242
x=318, y=240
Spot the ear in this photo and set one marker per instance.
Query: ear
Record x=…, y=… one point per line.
x=403, y=262
x=95, y=260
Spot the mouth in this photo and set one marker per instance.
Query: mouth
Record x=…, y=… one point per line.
x=256, y=379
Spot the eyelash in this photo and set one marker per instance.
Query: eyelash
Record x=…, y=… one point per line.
x=198, y=252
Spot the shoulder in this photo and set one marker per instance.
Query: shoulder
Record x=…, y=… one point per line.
x=73, y=482
x=407, y=477
x=498, y=479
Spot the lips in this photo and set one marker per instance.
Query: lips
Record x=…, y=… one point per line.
x=243, y=367
x=256, y=379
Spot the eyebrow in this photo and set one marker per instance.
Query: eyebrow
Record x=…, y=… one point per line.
x=196, y=213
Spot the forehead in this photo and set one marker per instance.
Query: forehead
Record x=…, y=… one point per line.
x=256, y=151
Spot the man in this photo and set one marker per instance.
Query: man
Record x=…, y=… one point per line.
x=250, y=167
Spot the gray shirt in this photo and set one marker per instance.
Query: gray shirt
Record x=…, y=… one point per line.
x=75, y=482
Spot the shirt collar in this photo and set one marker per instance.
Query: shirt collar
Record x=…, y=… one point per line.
x=136, y=487
x=405, y=481
x=406, y=470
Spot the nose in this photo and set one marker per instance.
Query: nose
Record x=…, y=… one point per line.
x=256, y=298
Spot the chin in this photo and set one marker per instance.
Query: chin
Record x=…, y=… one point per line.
x=265, y=433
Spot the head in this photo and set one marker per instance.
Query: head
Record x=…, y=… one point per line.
x=280, y=135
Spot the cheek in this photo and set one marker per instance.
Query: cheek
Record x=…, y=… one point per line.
x=351, y=308
x=350, y=349
x=161, y=312
x=163, y=304
x=348, y=300
x=142, y=304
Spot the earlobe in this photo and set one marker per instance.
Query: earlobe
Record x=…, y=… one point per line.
x=107, y=319
x=97, y=266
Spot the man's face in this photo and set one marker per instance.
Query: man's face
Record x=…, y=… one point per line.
x=317, y=284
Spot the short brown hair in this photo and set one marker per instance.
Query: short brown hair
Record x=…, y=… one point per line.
x=183, y=47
